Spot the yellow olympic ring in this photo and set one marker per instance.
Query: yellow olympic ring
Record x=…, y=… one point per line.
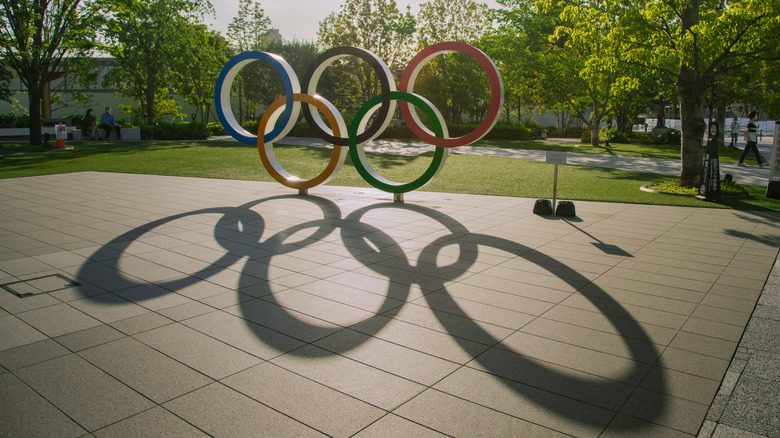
x=266, y=149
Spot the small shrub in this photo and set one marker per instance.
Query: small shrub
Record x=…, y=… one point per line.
x=614, y=136
x=8, y=120
x=531, y=124
x=78, y=119
x=509, y=132
x=216, y=128
x=585, y=136
x=251, y=126
x=673, y=137
x=642, y=137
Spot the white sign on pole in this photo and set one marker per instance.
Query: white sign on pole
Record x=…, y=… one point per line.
x=60, y=131
x=556, y=157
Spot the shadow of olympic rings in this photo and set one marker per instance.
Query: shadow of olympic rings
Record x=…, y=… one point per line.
x=239, y=230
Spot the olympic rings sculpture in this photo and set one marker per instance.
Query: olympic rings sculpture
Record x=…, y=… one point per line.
x=280, y=117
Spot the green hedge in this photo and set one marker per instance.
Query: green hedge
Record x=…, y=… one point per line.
x=402, y=131
x=11, y=120
x=176, y=131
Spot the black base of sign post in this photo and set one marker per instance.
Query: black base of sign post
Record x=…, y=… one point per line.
x=565, y=209
x=773, y=190
x=543, y=206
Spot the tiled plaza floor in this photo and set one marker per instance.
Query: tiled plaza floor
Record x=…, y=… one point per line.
x=234, y=308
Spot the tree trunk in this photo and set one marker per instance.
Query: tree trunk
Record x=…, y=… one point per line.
x=720, y=103
x=690, y=91
x=595, y=122
x=151, y=89
x=34, y=97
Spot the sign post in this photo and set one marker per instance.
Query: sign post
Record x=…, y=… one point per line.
x=564, y=208
x=710, y=186
x=773, y=187
x=556, y=158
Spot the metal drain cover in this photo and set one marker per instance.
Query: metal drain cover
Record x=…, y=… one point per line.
x=40, y=285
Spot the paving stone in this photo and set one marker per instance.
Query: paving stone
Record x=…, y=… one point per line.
x=234, y=415
x=83, y=392
x=156, y=422
x=144, y=369
x=311, y=403
x=31, y=354
x=232, y=308
x=206, y=355
x=18, y=402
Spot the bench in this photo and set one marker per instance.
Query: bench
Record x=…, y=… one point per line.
x=128, y=134
x=23, y=134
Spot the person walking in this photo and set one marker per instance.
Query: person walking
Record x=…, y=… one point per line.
x=750, y=138
x=734, y=132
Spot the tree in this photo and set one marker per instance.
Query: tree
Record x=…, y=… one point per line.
x=455, y=83
x=592, y=57
x=249, y=29
x=5, y=83
x=704, y=38
x=452, y=20
x=196, y=81
x=266, y=86
x=532, y=62
x=373, y=25
x=150, y=41
x=35, y=37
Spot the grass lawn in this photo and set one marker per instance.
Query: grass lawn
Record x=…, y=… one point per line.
x=461, y=173
x=725, y=154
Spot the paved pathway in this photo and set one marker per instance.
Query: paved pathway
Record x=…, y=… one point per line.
x=237, y=308
x=750, y=175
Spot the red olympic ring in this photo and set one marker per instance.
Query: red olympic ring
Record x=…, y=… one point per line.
x=496, y=96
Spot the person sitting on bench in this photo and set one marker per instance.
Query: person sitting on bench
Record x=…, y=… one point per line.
x=89, y=126
x=109, y=124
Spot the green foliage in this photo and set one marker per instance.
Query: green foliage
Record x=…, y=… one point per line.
x=452, y=20
x=402, y=132
x=642, y=137
x=249, y=28
x=11, y=120
x=78, y=119
x=260, y=83
x=195, y=77
x=8, y=120
x=216, y=128
x=151, y=42
x=35, y=37
x=613, y=135
x=375, y=25
x=673, y=137
x=503, y=132
x=176, y=131
x=5, y=84
x=728, y=188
